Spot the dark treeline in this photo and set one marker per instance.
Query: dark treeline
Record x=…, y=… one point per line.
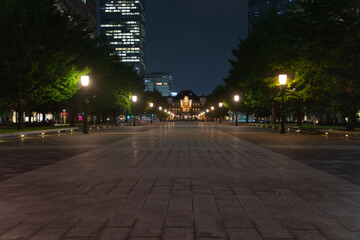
x=317, y=44
x=43, y=53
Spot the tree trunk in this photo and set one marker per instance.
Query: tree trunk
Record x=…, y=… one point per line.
x=20, y=110
x=256, y=117
x=273, y=113
x=115, y=119
x=72, y=116
x=350, y=125
x=299, y=115
x=43, y=114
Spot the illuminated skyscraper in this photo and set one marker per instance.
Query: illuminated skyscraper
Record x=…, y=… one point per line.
x=123, y=22
x=162, y=82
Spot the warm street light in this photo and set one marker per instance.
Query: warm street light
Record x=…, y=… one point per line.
x=134, y=99
x=282, y=80
x=85, y=83
x=220, y=106
x=212, y=108
x=160, y=108
x=207, y=110
x=151, y=105
x=236, y=99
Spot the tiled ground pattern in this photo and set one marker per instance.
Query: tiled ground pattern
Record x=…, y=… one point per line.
x=179, y=182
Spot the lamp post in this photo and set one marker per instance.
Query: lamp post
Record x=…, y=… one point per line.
x=212, y=109
x=220, y=106
x=134, y=99
x=207, y=112
x=85, y=83
x=151, y=106
x=282, y=80
x=236, y=99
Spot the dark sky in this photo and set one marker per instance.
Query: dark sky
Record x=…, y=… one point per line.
x=192, y=39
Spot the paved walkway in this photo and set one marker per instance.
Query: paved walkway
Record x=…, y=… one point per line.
x=179, y=182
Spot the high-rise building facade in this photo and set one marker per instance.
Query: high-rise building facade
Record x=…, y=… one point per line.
x=258, y=8
x=123, y=22
x=84, y=8
x=162, y=82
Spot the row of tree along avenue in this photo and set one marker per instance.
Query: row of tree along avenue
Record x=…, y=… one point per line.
x=317, y=44
x=43, y=53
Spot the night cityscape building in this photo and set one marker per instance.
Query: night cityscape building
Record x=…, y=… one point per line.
x=162, y=82
x=84, y=8
x=257, y=9
x=123, y=23
x=187, y=105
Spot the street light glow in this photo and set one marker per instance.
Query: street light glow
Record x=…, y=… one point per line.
x=85, y=81
x=236, y=98
x=220, y=104
x=207, y=110
x=212, y=108
x=151, y=105
x=134, y=98
x=282, y=79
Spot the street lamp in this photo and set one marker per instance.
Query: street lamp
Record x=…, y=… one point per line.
x=134, y=99
x=236, y=99
x=151, y=106
x=282, y=80
x=220, y=106
x=212, y=109
x=85, y=83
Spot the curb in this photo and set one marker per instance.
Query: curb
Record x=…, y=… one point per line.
x=50, y=131
x=37, y=132
x=327, y=132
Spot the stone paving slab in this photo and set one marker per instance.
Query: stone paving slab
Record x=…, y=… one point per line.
x=179, y=181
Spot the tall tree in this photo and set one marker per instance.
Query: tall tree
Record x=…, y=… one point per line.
x=37, y=58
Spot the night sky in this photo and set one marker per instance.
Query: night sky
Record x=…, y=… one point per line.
x=192, y=39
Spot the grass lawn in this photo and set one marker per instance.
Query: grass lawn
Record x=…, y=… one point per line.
x=340, y=128
x=26, y=129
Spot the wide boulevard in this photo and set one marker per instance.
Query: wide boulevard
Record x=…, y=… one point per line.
x=180, y=181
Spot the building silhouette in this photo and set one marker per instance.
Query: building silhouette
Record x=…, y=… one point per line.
x=258, y=8
x=123, y=23
x=83, y=8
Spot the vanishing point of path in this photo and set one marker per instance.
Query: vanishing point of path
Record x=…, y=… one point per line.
x=179, y=181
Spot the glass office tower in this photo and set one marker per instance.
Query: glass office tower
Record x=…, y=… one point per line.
x=163, y=82
x=123, y=22
x=257, y=9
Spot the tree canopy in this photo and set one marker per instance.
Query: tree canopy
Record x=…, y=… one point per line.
x=316, y=44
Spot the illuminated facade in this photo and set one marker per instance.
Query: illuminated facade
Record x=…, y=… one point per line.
x=162, y=82
x=84, y=8
x=257, y=9
x=187, y=105
x=123, y=22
